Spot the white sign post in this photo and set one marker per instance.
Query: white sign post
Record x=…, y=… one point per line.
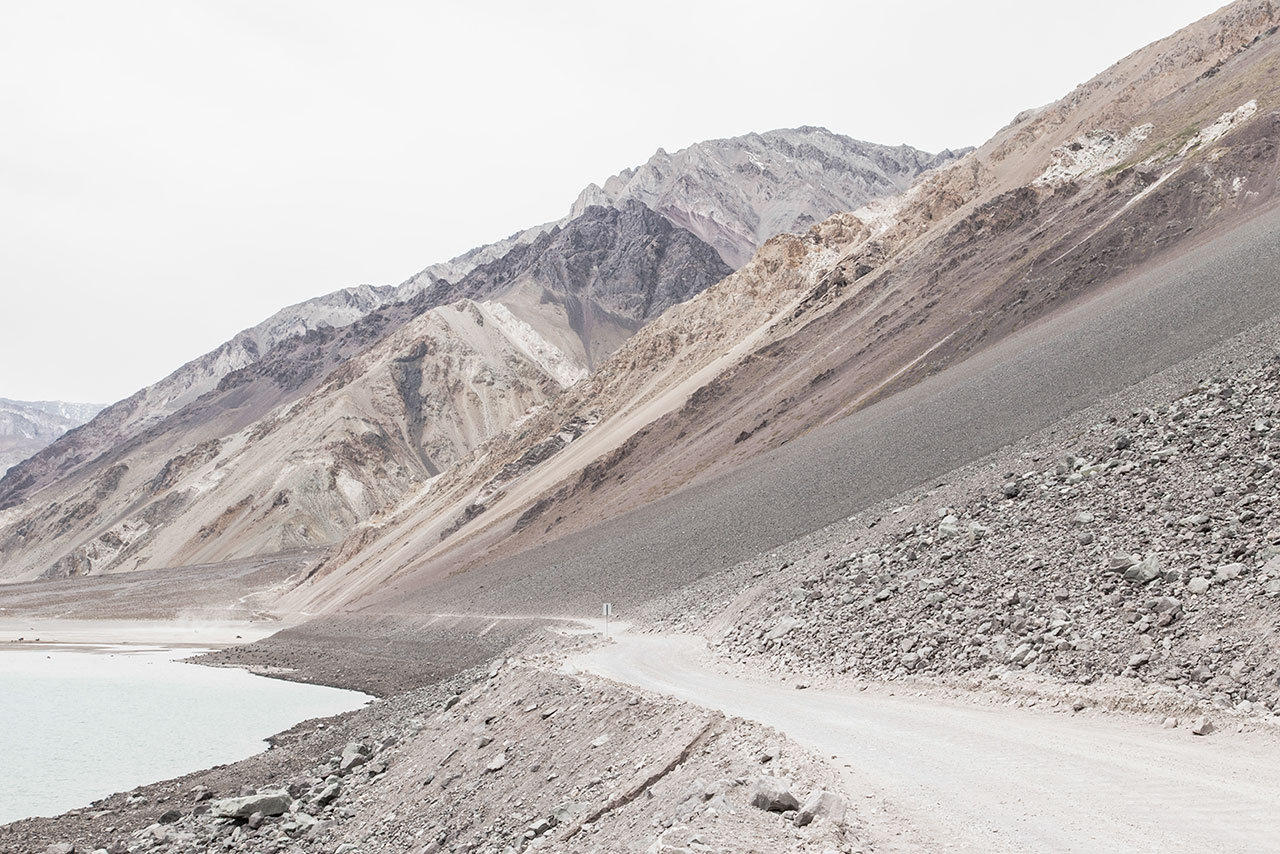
x=608, y=612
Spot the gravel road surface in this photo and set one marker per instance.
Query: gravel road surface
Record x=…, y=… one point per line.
x=934, y=775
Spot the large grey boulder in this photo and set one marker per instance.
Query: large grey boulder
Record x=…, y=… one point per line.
x=267, y=803
x=774, y=794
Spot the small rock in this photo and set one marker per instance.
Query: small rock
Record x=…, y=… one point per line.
x=1228, y=571
x=826, y=806
x=353, y=756
x=1145, y=570
x=1197, y=585
x=773, y=794
x=267, y=803
x=1202, y=726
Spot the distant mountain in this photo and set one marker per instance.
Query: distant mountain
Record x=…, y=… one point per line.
x=370, y=392
x=334, y=426
x=26, y=426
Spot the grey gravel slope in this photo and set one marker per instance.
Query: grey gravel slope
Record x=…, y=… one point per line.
x=1066, y=363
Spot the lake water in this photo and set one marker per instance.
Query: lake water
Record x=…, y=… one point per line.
x=78, y=725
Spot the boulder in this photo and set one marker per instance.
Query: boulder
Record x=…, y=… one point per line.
x=267, y=803
x=1145, y=570
x=1228, y=571
x=949, y=527
x=1202, y=726
x=1197, y=585
x=353, y=756
x=773, y=794
x=820, y=805
x=329, y=794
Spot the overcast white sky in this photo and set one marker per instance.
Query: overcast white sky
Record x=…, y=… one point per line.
x=172, y=172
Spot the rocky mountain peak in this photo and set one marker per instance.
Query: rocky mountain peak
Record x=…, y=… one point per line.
x=736, y=193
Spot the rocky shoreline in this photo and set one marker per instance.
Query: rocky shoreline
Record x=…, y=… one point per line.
x=507, y=757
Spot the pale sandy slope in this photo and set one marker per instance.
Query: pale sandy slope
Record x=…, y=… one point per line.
x=943, y=776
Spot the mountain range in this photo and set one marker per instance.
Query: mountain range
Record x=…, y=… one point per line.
x=944, y=457
x=26, y=426
x=494, y=408
x=334, y=410
x=1167, y=148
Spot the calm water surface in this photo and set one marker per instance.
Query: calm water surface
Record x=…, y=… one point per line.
x=78, y=725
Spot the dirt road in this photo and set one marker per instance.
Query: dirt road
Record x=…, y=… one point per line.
x=932, y=775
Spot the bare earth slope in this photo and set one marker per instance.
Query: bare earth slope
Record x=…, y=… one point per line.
x=163, y=460
x=332, y=427
x=972, y=409
x=1167, y=150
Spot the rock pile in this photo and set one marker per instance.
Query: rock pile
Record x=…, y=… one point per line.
x=1149, y=551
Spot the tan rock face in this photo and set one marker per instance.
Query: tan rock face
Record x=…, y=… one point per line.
x=396, y=415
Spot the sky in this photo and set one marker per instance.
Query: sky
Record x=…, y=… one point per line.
x=172, y=172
